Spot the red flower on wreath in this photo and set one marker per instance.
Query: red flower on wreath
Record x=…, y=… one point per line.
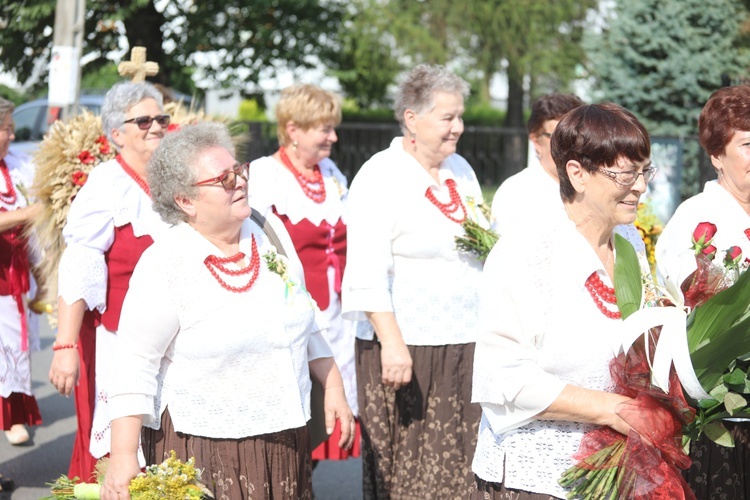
x=79, y=177
x=103, y=145
x=173, y=127
x=86, y=157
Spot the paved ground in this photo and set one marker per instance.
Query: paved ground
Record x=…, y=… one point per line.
x=46, y=457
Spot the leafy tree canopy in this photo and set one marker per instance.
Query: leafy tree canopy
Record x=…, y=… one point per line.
x=230, y=42
x=662, y=59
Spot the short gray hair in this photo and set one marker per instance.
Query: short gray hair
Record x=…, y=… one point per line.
x=120, y=98
x=172, y=169
x=417, y=90
x=5, y=107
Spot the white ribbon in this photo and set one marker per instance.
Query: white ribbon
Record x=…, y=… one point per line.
x=672, y=346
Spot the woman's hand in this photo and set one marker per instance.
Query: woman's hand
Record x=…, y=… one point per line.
x=122, y=469
x=396, y=363
x=336, y=407
x=63, y=372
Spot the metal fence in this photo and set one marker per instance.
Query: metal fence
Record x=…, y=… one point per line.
x=495, y=153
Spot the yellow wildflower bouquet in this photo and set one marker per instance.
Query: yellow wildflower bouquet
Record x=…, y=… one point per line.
x=171, y=479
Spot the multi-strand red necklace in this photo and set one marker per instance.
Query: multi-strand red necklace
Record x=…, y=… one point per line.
x=8, y=197
x=132, y=173
x=314, y=188
x=449, y=209
x=601, y=293
x=216, y=264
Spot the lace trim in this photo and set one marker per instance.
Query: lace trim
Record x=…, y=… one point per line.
x=271, y=184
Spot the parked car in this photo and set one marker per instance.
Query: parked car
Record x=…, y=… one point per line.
x=32, y=120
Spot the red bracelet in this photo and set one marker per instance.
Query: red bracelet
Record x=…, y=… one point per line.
x=58, y=347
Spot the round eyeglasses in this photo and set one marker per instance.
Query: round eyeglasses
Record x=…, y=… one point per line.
x=627, y=178
x=228, y=179
x=144, y=122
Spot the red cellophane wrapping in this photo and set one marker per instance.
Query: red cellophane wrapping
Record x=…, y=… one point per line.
x=652, y=454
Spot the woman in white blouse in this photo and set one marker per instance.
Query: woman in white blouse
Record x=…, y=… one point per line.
x=216, y=343
x=541, y=371
x=109, y=225
x=724, y=124
x=404, y=274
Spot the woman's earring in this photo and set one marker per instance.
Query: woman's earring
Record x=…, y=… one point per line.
x=294, y=145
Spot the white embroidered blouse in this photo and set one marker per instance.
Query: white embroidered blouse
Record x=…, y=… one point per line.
x=675, y=259
x=280, y=189
x=110, y=198
x=540, y=330
x=401, y=252
x=227, y=365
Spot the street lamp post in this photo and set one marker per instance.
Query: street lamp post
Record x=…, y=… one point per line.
x=65, y=66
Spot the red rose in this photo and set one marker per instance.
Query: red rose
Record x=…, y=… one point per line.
x=85, y=157
x=79, y=178
x=709, y=251
x=702, y=236
x=173, y=127
x=733, y=256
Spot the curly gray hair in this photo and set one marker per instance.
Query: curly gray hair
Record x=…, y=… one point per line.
x=172, y=169
x=120, y=98
x=5, y=107
x=417, y=91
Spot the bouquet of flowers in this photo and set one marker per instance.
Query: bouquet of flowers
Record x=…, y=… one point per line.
x=478, y=237
x=172, y=479
x=701, y=343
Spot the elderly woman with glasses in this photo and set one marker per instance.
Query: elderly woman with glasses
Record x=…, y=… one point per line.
x=218, y=337
x=724, y=133
x=535, y=191
x=548, y=321
x=110, y=224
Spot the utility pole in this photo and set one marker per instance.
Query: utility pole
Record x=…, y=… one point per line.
x=65, y=65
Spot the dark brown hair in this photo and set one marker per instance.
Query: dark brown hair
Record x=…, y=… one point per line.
x=596, y=136
x=550, y=107
x=727, y=110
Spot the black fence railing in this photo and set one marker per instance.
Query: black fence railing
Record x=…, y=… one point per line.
x=495, y=153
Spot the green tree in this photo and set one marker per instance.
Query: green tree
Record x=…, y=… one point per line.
x=231, y=42
x=662, y=59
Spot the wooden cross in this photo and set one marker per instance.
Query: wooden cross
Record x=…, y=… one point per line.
x=138, y=68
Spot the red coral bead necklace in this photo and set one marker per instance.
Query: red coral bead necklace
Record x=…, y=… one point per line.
x=602, y=294
x=450, y=208
x=314, y=188
x=8, y=197
x=217, y=264
x=134, y=175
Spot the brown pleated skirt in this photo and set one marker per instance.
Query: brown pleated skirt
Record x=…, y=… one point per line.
x=497, y=491
x=419, y=441
x=269, y=466
x=718, y=472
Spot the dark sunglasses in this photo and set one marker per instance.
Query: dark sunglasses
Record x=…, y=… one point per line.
x=144, y=122
x=228, y=179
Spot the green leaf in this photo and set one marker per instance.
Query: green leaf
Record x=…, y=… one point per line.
x=734, y=402
x=737, y=377
x=628, y=287
x=712, y=358
x=719, y=313
x=719, y=434
x=719, y=392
